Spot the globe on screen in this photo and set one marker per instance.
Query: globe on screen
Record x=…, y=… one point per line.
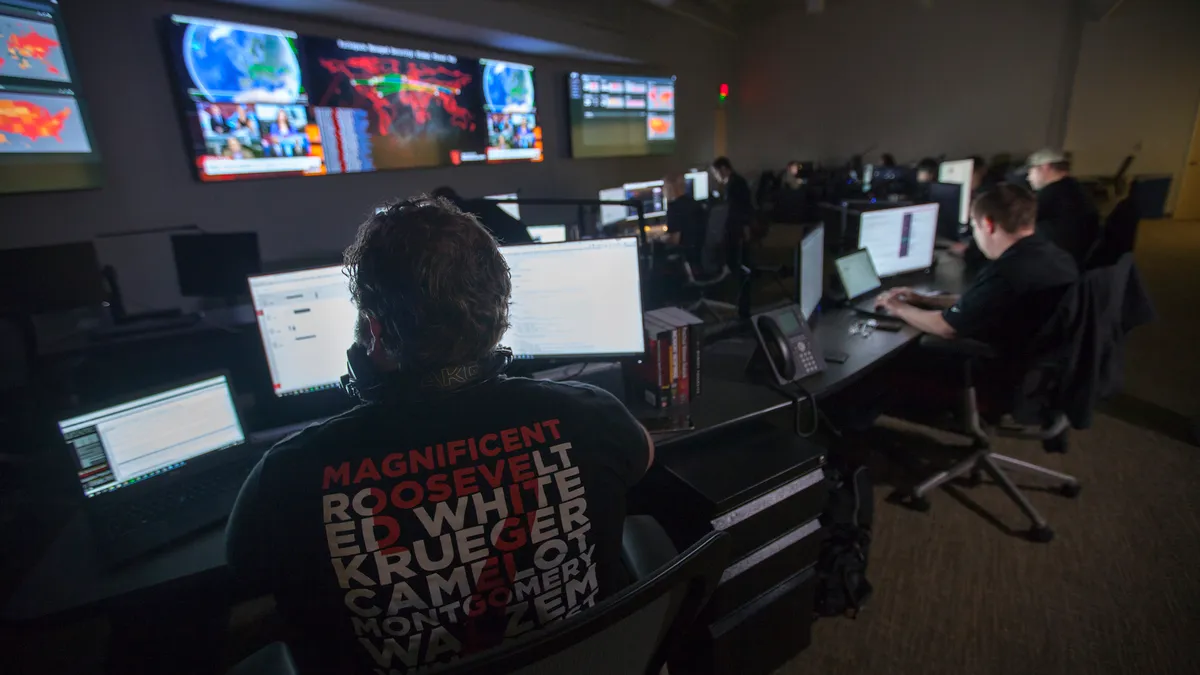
x=235, y=65
x=508, y=88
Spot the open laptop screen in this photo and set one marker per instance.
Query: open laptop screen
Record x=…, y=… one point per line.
x=131, y=442
x=857, y=273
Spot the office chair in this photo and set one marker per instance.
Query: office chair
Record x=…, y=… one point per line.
x=1120, y=232
x=632, y=632
x=712, y=270
x=1109, y=188
x=1076, y=362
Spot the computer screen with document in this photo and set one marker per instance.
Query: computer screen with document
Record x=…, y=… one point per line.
x=579, y=299
x=128, y=443
x=698, y=182
x=811, y=275
x=901, y=239
x=306, y=320
x=613, y=213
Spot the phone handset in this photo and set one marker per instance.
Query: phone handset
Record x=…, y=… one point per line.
x=787, y=345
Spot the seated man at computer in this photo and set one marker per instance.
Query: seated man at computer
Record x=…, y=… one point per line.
x=686, y=219
x=1014, y=296
x=455, y=507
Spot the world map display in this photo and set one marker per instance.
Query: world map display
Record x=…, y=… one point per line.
x=230, y=64
x=508, y=87
x=412, y=87
x=31, y=50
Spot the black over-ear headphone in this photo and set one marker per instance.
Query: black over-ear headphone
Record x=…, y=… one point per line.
x=366, y=383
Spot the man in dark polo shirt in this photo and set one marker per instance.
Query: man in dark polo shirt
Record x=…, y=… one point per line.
x=1066, y=214
x=1014, y=296
x=454, y=508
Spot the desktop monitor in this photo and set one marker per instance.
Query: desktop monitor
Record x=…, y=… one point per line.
x=547, y=234
x=149, y=436
x=513, y=210
x=899, y=240
x=948, y=197
x=575, y=300
x=810, y=271
x=613, y=213
x=44, y=279
x=306, y=319
x=650, y=194
x=959, y=172
x=215, y=265
x=697, y=182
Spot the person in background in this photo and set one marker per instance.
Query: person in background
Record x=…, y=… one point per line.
x=737, y=225
x=499, y=222
x=234, y=150
x=927, y=170
x=1066, y=214
x=686, y=220
x=887, y=159
x=449, y=482
x=793, y=179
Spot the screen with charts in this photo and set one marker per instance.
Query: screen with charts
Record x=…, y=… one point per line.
x=650, y=194
x=575, y=299
x=46, y=140
x=697, y=182
x=513, y=210
x=306, y=319
x=899, y=240
x=547, y=234
x=857, y=274
x=959, y=172
x=812, y=271
x=124, y=444
x=621, y=115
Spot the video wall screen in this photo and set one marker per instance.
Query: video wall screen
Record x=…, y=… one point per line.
x=46, y=141
x=621, y=115
x=267, y=102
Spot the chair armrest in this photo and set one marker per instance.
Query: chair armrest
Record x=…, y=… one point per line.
x=274, y=659
x=645, y=546
x=958, y=347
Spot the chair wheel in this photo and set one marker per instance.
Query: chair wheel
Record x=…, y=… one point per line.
x=1040, y=535
x=974, y=479
x=1057, y=444
x=1070, y=490
x=908, y=500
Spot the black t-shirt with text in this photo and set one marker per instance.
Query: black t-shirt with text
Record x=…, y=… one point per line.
x=1014, y=296
x=401, y=534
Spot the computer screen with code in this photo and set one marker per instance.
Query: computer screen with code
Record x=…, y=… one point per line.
x=575, y=299
x=306, y=319
x=900, y=240
x=131, y=442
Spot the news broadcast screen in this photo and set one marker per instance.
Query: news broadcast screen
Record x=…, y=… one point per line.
x=46, y=141
x=621, y=115
x=242, y=94
x=267, y=102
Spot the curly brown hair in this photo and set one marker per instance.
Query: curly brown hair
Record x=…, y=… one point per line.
x=435, y=280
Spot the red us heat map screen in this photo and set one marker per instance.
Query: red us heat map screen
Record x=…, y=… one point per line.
x=382, y=107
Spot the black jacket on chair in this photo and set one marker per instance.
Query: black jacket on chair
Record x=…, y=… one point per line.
x=1082, y=345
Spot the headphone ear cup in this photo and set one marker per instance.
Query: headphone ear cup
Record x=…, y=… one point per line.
x=362, y=379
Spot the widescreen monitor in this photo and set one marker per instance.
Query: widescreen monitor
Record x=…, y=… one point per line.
x=215, y=265
x=959, y=172
x=547, y=234
x=46, y=140
x=621, y=115
x=612, y=213
x=306, y=319
x=697, y=182
x=579, y=299
x=650, y=194
x=810, y=274
x=260, y=101
x=948, y=197
x=511, y=209
x=149, y=436
x=899, y=240
x=46, y=279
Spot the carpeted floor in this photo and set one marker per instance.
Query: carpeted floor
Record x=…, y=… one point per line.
x=1117, y=591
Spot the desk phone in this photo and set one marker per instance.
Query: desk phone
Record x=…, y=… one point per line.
x=786, y=344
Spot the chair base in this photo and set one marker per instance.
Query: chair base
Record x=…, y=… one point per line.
x=711, y=306
x=996, y=465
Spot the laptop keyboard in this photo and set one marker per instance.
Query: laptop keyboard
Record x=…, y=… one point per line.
x=197, y=498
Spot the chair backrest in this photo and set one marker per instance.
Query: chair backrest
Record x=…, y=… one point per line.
x=632, y=632
x=711, y=256
x=1125, y=164
x=1120, y=233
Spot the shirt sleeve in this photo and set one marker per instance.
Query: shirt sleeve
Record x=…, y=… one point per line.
x=979, y=308
x=626, y=447
x=247, y=546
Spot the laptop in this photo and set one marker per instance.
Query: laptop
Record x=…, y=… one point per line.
x=857, y=273
x=159, y=466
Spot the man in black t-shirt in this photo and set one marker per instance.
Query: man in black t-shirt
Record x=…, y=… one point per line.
x=455, y=508
x=1014, y=296
x=1066, y=214
x=687, y=221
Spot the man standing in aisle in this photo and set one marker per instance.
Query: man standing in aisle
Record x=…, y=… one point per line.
x=1066, y=214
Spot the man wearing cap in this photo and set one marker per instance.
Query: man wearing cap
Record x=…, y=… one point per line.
x=1066, y=214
